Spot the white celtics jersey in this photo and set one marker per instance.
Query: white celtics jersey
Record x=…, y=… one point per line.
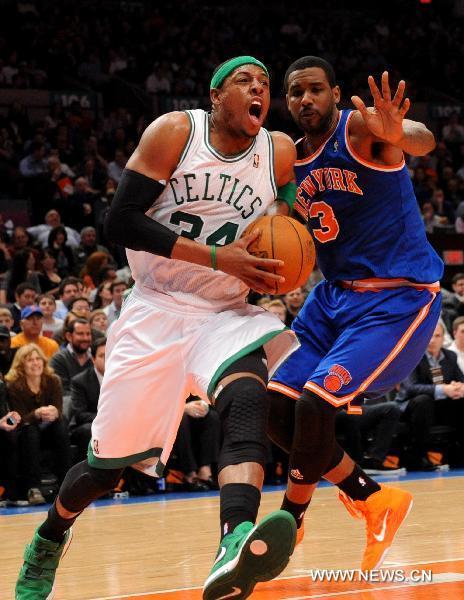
x=210, y=198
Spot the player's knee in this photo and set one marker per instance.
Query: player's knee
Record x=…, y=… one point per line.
x=83, y=484
x=243, y=407
x=314, y=424
x=281, y=422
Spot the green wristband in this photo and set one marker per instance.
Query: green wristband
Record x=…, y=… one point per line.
x=213, y=257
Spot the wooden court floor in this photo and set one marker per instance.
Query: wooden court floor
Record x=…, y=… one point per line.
x=164, y=550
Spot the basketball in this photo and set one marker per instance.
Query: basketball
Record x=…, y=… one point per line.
x=285, y=239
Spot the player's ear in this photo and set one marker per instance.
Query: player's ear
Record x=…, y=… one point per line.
x=214, y=95
x=336, y=94
x=286, y=98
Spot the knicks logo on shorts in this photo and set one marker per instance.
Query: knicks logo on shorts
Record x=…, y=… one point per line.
x=337, y=377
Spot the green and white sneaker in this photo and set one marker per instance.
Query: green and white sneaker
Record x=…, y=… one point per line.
x=249, y=554
x=37, y=576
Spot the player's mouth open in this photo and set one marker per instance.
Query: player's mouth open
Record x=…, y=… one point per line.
x=255, y=110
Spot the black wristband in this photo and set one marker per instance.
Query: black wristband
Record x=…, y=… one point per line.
x=126, y=223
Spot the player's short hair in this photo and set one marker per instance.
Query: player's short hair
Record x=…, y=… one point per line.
x=456, y=323
x=457, y=278
x=306, y=62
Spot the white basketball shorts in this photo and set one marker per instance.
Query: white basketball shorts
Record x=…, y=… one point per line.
x=155, y=358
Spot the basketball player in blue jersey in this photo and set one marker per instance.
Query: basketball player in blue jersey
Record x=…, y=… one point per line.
x=365, y=327
x=190, y=189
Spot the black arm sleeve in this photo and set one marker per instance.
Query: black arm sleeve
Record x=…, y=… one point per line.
x=127, y=224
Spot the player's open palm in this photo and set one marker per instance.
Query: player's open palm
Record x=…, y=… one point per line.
x=257, y=273
x=385, y=119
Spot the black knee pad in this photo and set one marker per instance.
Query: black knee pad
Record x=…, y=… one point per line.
x=254, y=362
x=83, y=484
x=281, y=424
x=314, y=442
x=243, y=407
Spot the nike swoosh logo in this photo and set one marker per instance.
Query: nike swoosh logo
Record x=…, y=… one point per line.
x=235, y=592
x=220, y=555
x=381, y=536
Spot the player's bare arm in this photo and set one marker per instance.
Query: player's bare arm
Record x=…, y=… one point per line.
x=156, y=158
x=284, y=160
x=384, y=124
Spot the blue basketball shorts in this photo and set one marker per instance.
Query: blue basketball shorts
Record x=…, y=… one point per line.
x=359, y=340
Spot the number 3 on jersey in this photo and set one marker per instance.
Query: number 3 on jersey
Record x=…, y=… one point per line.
x=329, y=227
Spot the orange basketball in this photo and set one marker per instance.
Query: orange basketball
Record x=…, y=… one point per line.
x=286, y=239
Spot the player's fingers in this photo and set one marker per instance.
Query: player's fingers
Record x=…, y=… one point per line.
x=268, y=263
x=251, y=237
x=356, y=100
x=406, y=106
x=374, y=89
x=399, y=93
x=386, y=92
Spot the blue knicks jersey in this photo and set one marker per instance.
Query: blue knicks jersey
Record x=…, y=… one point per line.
x=364, y=217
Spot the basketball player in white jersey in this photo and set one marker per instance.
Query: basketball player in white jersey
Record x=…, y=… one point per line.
x=192, y=186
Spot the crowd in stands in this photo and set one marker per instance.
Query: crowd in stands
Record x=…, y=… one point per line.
x=62, y=283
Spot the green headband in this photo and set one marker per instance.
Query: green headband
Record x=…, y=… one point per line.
x=230, y=65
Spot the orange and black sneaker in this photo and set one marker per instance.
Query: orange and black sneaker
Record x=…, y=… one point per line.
x=384, y=511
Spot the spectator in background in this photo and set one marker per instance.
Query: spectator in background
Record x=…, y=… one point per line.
x=50, y=324
x=381, y=420
x=31, y=329
x=459, y=223
x=34, y=391
x=74, y=358
x=278, y=308
x=60, y=250
x=7, y=353
x=443, y=208
x=69, y=289
x=103, y=296
x=25, y=295
x=6, y=319
x=431, y=220
x=81, y=203
x=458, y=344
x=112, y=311
x=60, y=335
x=85, y=390
x=157, y=82
x=453, y=131
x=48, y=278
x=199, y=430
x=433, y=393
x=116, y=166
x=94, y=263
x=9, y=451
x=20, y=240
x=99, y=321
x=80, y=306
x=22, y=271
x=294, y=300
x=87, y=247
x=52, y=220
x=35, y=163
x=453, y=303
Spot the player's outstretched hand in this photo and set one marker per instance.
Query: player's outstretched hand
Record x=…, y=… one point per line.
x=385, y=119
x=256, y=272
